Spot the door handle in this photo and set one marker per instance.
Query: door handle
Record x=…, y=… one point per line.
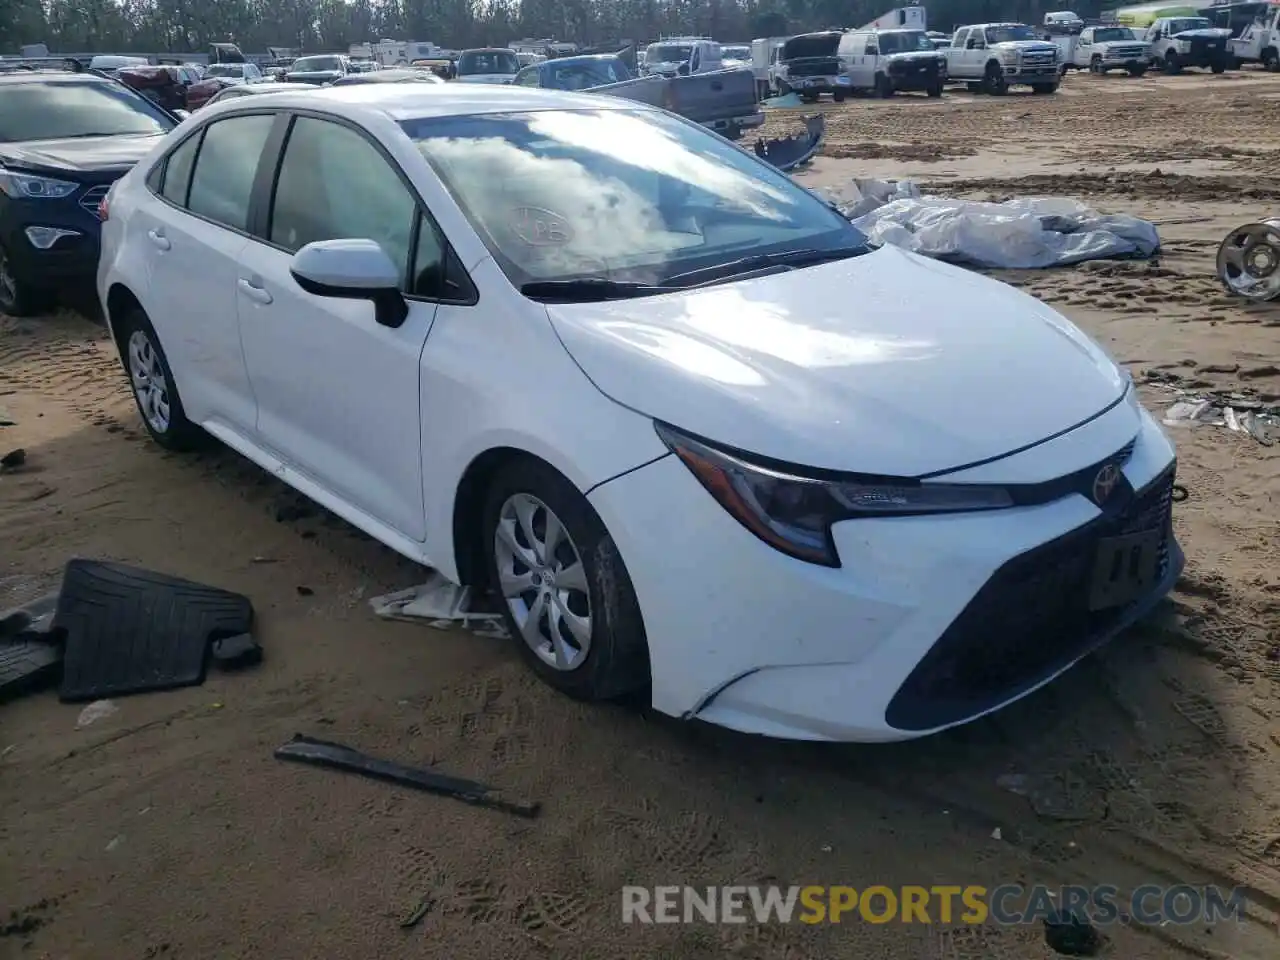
x=159, y=239
x=254, y=291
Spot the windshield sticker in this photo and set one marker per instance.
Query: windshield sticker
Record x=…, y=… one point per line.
x=539, y=227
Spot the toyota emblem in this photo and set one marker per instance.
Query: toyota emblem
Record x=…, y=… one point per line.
x=1104, y=484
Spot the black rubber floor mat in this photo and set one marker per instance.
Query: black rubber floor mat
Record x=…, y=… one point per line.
x=129, y=630
x=29, y=658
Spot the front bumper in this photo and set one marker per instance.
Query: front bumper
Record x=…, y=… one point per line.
x=916, y=81
x=818, y=84
x=930, y=621
x=71, y=260
x=1031, y=73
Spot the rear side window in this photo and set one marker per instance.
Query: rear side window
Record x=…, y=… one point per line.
x=177, y=171
x=228, y=162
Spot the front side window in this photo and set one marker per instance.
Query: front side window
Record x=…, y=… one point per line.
x=228, y=162
x=63, y=109
x=317, y=198
x=624, y=194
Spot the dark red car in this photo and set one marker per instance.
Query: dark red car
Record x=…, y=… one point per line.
x=166, y=84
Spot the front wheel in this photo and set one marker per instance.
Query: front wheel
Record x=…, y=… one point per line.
x=1270, y=60
x=1218, y=66
x=1172, y=65
x=995, y=82
x=20, y=298
x=567, y=596
x=1044, y=88
x=935, y=90
x=884, y=86
x=1137, y=71
x=1095, y=66
x=837, y=96
x=154, y=389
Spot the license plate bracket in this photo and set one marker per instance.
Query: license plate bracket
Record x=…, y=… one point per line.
x=1124, y=569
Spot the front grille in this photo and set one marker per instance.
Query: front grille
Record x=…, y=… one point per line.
x=1037, y=59
x=90, y=199
x=1127, y=52
x=822, y=67
x=1202, y=47
x=1029, y=620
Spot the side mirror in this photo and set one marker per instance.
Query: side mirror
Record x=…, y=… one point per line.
x=873, y=51
x=352, y=270
x=182, y=114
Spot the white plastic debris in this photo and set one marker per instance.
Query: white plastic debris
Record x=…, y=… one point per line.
x=115, y=842
x=996, y=834
x=1024, y=233
x=1261, y=424
x=98, y=710
x=440, y=604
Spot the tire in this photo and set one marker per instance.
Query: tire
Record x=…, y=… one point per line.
x=1171, y=65
x=614, y=659
x=994, y=82
x=145, y=364
x=1218, y=66
x=21, y=298
x=884, y=87
x=837, y=96
x=1044, y=88
x=1270, y=60
x=1137, y=71
x=1095, y=66
x=935, y=90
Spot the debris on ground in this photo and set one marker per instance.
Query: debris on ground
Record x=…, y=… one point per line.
x=13, y=459
x=98, y=710
x=1023, y=233
x=1070, y=935
x=1248, y=261
x=783, y=101
x=1238, y=416
x=787, y=153
x=6, y=420
x=441, y=604
x=336, y=756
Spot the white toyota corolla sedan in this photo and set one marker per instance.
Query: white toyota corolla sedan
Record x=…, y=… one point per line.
x=701, y=437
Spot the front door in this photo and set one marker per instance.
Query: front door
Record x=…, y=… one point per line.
x=338, y=394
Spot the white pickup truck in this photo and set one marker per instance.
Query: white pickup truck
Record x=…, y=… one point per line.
x=1260, y=42
x=1179, y=42
x=1100, y=49
x=994, y=56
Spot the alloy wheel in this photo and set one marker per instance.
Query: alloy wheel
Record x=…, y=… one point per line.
x=150, y=385
x=544, y=582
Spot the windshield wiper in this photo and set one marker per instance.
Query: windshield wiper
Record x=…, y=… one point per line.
x=761, y=261
x=589, y=290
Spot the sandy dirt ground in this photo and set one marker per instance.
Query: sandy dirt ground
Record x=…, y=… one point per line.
x=168, y=829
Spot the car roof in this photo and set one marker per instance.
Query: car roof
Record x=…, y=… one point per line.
x=51, y=75
x=413, y=101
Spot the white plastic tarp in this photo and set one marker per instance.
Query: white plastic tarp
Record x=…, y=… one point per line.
x=1026, y=233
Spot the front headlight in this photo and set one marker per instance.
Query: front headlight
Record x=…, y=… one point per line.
x=27, y=186
x=794, y=513
x=1008, y=56
x=1182, y=45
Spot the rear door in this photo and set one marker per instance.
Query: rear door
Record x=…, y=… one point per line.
x=193, y=228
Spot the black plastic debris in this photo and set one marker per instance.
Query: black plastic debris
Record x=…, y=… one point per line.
x=336, y=756
x=128, y=630
x=787, y=153
x=1072, y=936
x=13, y=459
x=236, y=653
x=30, y=658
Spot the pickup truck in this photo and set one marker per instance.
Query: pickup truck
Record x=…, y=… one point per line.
x=318, y=70
x=1099, y=49
x=1178, y=42
x=809, y=65
x=994, y=56
x=725, y=101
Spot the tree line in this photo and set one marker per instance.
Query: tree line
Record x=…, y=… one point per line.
x=181, y=26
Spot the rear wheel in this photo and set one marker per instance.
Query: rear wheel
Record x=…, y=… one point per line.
x=20, y=298
x=994, y=80
x=568, y=599
x=154, y=389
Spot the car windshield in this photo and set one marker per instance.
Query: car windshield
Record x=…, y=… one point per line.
x=69, y=108
x=226, y=70
x=735, y=53
x=620, y=194
x=1105, y=34
x=475, y=62
x=1007, y=34
x=316, y=64
x=587, y=73
x=1189, y=23
x=668, y=53
x=902, y=41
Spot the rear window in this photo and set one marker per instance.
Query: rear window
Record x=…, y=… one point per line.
x=76, y=108
x=477, y=62
x=668, y=53
x=316, y=64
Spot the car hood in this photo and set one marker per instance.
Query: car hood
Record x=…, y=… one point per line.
x=1108, y=44
x=488, y=78
x=1026, y=46
x=78, y=153
x=1208, y=33
x=908, y=55
x=887, y=363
